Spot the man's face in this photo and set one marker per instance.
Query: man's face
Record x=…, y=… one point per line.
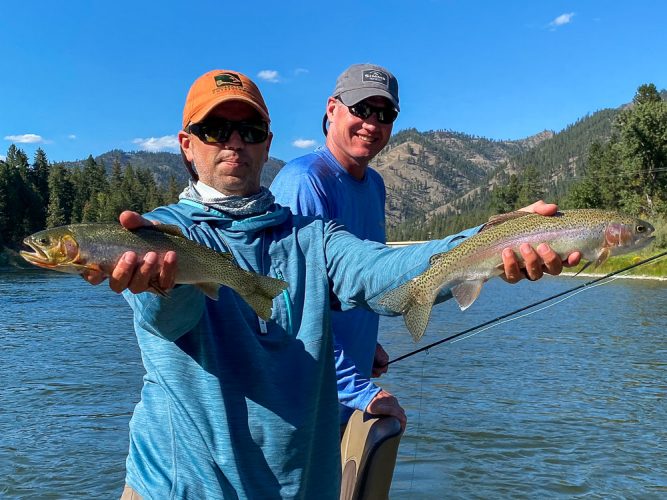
x=233, y=167
x=355, y=139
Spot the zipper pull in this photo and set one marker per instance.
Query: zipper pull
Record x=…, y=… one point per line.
x=263, y=329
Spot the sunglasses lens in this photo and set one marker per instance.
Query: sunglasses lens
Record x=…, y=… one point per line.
x=253, y=132
x=387, y=115
x=361, y=110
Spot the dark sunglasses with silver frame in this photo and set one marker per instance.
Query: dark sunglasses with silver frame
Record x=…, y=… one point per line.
x=220, y=130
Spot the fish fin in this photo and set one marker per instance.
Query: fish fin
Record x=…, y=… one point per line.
x=154, y=285
x=602, y=256
x=260, y=291
x=209, y=289
x=582, y=269
x=416, y=319
x=467, y=292
x=416, y=312
x=496, y=220
x=170, y=229
x=435, y=257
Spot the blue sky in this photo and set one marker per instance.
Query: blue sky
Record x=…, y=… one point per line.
x=83, y=77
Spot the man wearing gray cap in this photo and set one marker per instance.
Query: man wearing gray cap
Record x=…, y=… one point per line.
x=335, y=182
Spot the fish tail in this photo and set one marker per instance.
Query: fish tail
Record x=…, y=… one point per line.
x=260, y=292
x=416, y=309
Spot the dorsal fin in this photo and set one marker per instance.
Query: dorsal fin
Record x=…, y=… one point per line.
x=170, y=229
x=496, y=220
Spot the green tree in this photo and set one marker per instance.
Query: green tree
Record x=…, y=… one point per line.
x=59, y=210
x=504, y=198
x=643, y=147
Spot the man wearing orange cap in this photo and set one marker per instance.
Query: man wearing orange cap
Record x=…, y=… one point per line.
x=234, y=406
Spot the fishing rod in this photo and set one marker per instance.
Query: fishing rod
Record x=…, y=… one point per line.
x=507, y=315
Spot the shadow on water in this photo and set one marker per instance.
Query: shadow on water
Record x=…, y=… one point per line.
x=568, y=402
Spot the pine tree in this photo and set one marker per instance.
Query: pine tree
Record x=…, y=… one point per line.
x=60, y=197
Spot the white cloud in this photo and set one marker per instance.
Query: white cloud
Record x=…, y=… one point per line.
x=25, y=138
x=300, y=71
x=71, y=137
x=268, y=75
x=304, y=143
x=562, y=19
x=155, y=144
x=3, y=157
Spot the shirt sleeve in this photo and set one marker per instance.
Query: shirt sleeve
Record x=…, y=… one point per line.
x=354, y=390
x=302, y=193
x=362, y=271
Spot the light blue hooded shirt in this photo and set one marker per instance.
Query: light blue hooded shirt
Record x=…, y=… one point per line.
x=231, y=410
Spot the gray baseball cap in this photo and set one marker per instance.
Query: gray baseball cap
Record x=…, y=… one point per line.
x=361, y=81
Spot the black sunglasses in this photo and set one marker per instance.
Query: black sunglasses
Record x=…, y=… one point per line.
x=213, y=132
x=364, y=110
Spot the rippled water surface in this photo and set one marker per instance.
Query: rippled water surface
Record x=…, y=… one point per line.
x=568, y=402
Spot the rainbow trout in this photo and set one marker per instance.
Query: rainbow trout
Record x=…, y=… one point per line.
x=597, y=234
x=79, y=247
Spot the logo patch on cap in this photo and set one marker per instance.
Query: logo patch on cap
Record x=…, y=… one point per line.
x=224, y=79
x=373, y=75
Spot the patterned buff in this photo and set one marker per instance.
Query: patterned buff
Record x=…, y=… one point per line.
x=235, y=206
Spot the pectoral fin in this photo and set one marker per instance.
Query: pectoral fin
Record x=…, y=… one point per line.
x=582, y=269
x=467, y=292
x=602, y=256
x=209, y=289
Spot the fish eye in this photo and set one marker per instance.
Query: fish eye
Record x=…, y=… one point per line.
x=641, y=229
x=43, y=241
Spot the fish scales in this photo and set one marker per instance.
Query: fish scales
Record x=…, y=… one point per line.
x=597, y=234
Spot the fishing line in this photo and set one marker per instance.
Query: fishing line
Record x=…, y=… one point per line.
x=567, y=297
x=419, y=420
x=529, y=306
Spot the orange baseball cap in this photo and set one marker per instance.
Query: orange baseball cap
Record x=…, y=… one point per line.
x=218, y=86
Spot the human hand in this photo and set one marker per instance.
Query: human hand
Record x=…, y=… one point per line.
x=135, y=273
x=385, y=404
x=380, y=361
x=536, y=261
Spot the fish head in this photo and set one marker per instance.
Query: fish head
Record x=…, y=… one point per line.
x=628, y=234
x=54, y=248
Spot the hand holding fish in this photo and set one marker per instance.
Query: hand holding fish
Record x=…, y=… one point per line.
x=567, y=237
x=134, y=273
x=539, y=260
x=140, y=256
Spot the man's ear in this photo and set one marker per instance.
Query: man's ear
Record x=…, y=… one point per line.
x=268, y=146
x=184, y=141
x=331, y=107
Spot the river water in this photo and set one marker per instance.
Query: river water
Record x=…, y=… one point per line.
x=569, y=402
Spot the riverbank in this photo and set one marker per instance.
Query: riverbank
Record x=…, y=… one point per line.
x=655, y=270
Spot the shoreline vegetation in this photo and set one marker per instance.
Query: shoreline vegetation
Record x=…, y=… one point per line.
x=656, y=270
